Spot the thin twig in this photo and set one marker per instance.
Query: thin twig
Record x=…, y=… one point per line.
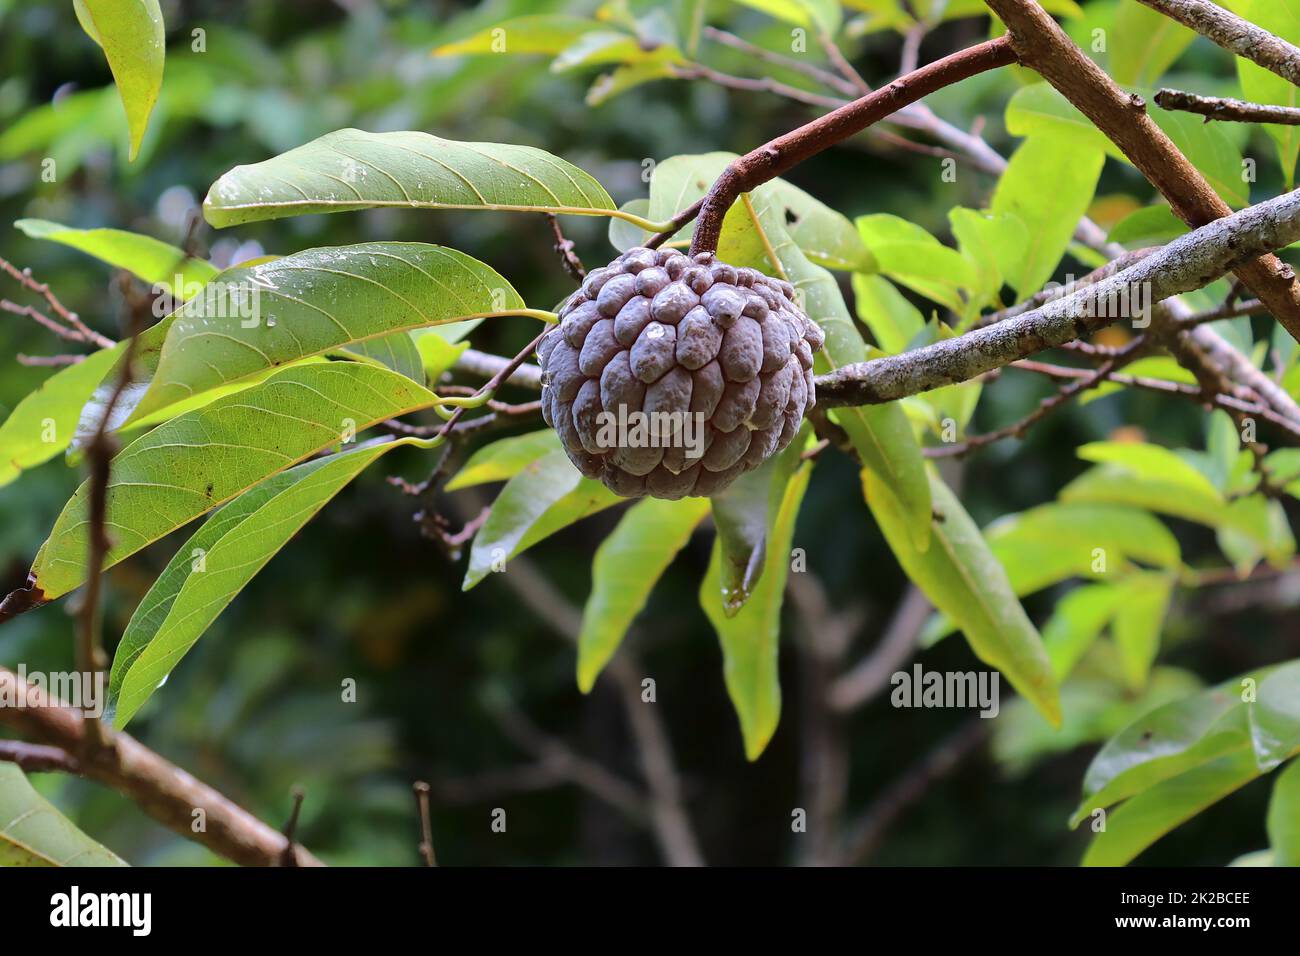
x=49, y=361
x=572, y=264
x=426, y=823
x=1234, y=34
x=1226, y=109
x=289, y=857
x=824, y=77
x=75, y=329
x=38, y=758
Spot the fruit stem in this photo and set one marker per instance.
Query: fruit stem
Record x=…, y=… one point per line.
x=790, y=149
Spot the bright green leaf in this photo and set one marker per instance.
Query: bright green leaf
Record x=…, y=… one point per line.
x=132, y=37
x=350, y=169
x=150, y=260
x=34, y=833
x=627, y=565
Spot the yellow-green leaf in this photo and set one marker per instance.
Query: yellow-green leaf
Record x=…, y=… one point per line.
x=132, y=37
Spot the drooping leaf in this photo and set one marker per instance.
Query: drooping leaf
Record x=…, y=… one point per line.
x=1048, y=186
x=350, y=169
x=750, y=638
x=627, y=565
x=34, y=833
x=131, y=34
x=151, y=260
x=1139, y=617
x=1284, y=816
x=962, y=578
x=504, y=458
x=741, y=513
x=1256, y=714
x=213, y=566
x=547, y=494
x=260, y=317
x=1145, y=818
x=43, y=423
x=194, y=462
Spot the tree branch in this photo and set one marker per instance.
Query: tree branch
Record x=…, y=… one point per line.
x=159, y=788
x=1189, y=262
x=1044, y=46
x=1234, y=34
x=1226, y=108
x=785, y=152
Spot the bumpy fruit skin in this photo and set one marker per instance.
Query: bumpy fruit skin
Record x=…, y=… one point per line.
x=724, y=350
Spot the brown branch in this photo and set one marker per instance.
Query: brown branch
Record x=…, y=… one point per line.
x=49, y=361
x=159, y=788
x=75, y=329
x=787, y=151
x=1044, y=46
x=810, y=70
x=1234, y=34
x=1227, y=109
x=1048, y=405
x=572, y=264
x=426, y=823
x=698, y=71
x=38, y=758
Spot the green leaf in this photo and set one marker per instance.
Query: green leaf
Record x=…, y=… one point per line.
x=1147, y=817
x=148, y=259
x=1258, y=85
x=1138, y=620
x=962, y=578
x=608, y=46
x=1076, y=622
x=261, y=317
x=1145, y=44
x=212, y=567
x=132, y=37
x=1048, y=186
x=546, y=33
x=741, y=514
x=194, y=462
x=825, y=235
x=912, y=257
x=893, y=320
x=1284, y=816
x=504, y=458
x=627, y=565
x=437, y=354
x=546, y=495
x=996, y=243
x=43, y=423
x=750, y=638
x=822, y=14
x=1255, y=714
x=1148, y=226
x=1210, y=150
x=657, y=66
x=34, y=833
x=350, y=169
x=397, y=351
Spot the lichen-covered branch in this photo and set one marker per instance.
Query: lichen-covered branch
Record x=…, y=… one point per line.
x=1190, y=262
